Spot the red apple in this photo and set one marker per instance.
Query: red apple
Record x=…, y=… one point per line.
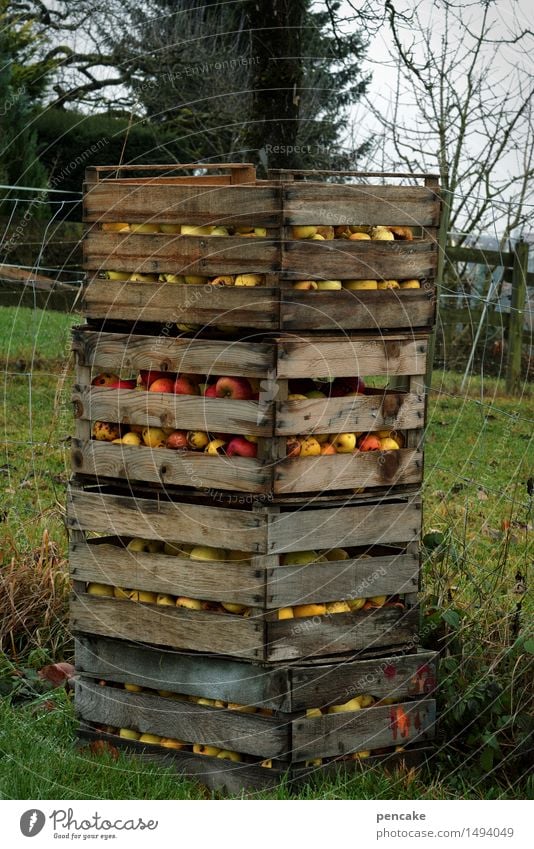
x=211, y=391
x=183, y=385
x=241, y=447
x=105, y=379
x=347, y=386
x=369, y=443
x=148, y=376
x=237, y=388
x=123, y=384
x=162, y=384
x=177, y=440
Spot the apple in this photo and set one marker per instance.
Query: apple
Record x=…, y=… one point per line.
x=241, y=447
x=105, y=431
x=227, y=755
x=170, y=743
x=155, y=739
x=316, y=393
x=261, y=232
x=241, y=708
x=344, y=443
x=148, y=376
x=165, y=600
x=359, y=237
x=117, y=275
x=206, y=552
x=232, y=607
x=144, y=228
x=310, y=447
x=171, y=278
x=347, y=386
x=210, y=391
x=366, y=700
x=317, y=238
x=326, y=285
x=123, y=384
x=197, y=439
x=194, y=280
x=327, y=232
x=146, y=597
x=243, y=229
x=382, y=234
x=341, y=231
x=388, y=284
x=410, y=284
x=360, y=756
x=219, y=231
x=115, y=227
x=285, y=613
x=305, y=285
x=356, y=285
x=189, y=603
x=328, y=448
x=99, y=589
x=298, y=558
x=133, y=688
x=249, y=280
x=162, y=384
x=196, y=230
x=129, y=734
x=337, y=607
x=297, y=396
x=369, y=443
x=128, y=439
x=388, y=444
x=223, y=280
x=184, y=385
x=303, y=610
x=177, y=549
x=177, y=440
x=236, y=556
x=215, y=447
x=352, y=705
x=378, y=600
x=310, y=712
x=138, y=277
x=106, y=378
x=154, y=437
x=293, y=446
x=303, y=232
x=337, y=554
x=170, y=228
x=237, y=388
x=200, y=749
x=124, y=594
x=267, y=763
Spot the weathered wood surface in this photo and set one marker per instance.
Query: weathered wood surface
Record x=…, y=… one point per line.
x=341, y=357
x=264, y=737
x=284, y=687
x=194, y=630
x=388, y=309
x=290, y=639
x=110, y=351
x=344, y=471
x=148, y=253
x=165, y=520
x=168, y=302
x=164, y=409
x=342, y=259
x=182, y=204
x=361, y=413
x=370, y=728
x=362, y=205
x=164, y=466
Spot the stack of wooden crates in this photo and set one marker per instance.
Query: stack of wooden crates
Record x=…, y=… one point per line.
x=268, y=688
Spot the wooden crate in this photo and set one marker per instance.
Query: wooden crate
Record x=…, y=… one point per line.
x=398, y=359
x=387, y=532
x=283, y=733
x=239, y=198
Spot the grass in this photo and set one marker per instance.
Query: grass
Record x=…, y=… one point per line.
x=476, y=471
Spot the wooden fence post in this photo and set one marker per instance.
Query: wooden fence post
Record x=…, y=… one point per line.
x=442, y=247
x=517, y=314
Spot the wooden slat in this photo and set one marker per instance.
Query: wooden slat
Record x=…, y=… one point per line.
x=189, y=674
x=399, y=676
x=376, y=524
x=164, y=466
x=343, y=471
x=132, y=352
x=227, y=729
x=182, y=204
x=165, y=520
x=359, y=310
x=356, y=413
x=216, y=581
x=189, y=412
x=150, y=253
x=341, y=357
x=167, y=626
x=290, y=639
x=342, y=259
x=371, y=728
x=320, y=582
x=481, y=256
x=169, y=302
x=362, y=205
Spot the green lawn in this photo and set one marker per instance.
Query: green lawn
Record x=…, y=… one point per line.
x=478, y=459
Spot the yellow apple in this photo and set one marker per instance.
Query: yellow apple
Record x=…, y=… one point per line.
x=195, y=280
x=378, y=600
x=205, y=702
x=138, y=277
x=200, y=749
x=144, y=228
x=260, y=231
x=223, y=280
x=337, y=554
x=165, y=600
x=219, y=231
x=267, y=763
x=128, y=439
x=327, y=232
x=227, y=755
x=389, y=444
x=237, y=556
x=310, y=447
x=297, y=396
x=170, y=743
x=195, y=230
x=154, y=437
x=170, y=228
x=115, y=227
x=314, y=762
x=176, y=549
x=360, y=756
x=189, y=603
x=344, y=443
x=125, y=594
x=314, y=712
x=232, y=607
x=302, y=610
x=353, y=704
x=382, y=234
x=249, y=280
x=285, y=613
x=305, y=285
x=138, y=544
x=117, y=275
x=303, y=232
x=146, y=597
x=105, y=431
x=366, y=700
x=388, y=284
x=337, y=607
x=129, y=734
x=206, y=552
x=324, y=285
x=172, y=278
x=197, y=439
x=133, y=688
x=241, y=708
x=410, y=284
x=318, y=238
x=356, y=285
x=100, y=589
x=359, y=237
x=244, y=229
x=298, y=558
x=213, y=448
x=356, y=603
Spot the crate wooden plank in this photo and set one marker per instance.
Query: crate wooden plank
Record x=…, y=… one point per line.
x=362, y=205
x=164, y=466
x=189, y=674
x=290, y=639
x=357, y=310
x=217, y=581
x=164, y=520
x=342, y=471
x=164, y=409
x=166, y=626
x=353, y=578
x=372, y=728
x=261, y=736
x=168, y=302
x=108, y=351
x=149, y=253
x=182, y=204
x=390, y=409
x=341, y=259
x=377, y=524
x=341, y=357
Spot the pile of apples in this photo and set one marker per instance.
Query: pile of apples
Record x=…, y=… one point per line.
x=352, y=232
x=247, y=279
x=355, y=285
x=245, y=231
x=197, y=700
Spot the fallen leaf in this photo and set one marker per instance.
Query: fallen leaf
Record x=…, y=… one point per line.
x=100, y=747
x=57, y=673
